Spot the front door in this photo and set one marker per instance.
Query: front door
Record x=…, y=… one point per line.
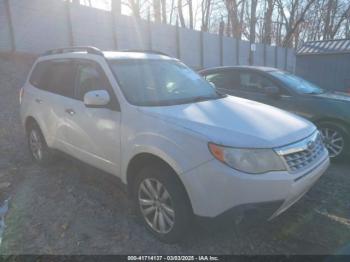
x=94, y=133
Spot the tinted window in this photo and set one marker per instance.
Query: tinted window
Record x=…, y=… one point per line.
x=38, y=78
x=160, y=82
x=253, y=82
x=224, y=80
x=91, y=77
x=299, y=84
x=55, y=76
x=60, y=78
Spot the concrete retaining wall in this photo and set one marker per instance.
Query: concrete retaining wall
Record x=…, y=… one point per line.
x=38, y=25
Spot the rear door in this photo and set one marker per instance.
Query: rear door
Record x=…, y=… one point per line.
x=54, y=80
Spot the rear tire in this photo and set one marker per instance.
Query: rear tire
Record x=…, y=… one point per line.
x=162, y=203
x=38, y=148
x=336, y=140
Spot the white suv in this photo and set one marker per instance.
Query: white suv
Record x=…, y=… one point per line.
x=181, y=148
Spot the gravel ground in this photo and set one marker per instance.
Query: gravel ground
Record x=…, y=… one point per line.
x=71, y=208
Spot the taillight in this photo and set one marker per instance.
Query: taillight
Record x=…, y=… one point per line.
x=21, y=91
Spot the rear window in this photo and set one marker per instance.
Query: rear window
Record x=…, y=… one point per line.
x=57, y=76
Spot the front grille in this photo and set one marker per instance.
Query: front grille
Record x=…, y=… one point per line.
x=302, y=154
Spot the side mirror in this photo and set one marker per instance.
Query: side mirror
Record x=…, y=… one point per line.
x=96, y=98
x=272, y=91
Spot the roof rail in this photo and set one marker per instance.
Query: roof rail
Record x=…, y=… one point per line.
x=89, y=49
x=144, y=51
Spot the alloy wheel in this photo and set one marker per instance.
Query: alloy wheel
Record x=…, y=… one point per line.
x=156, y=205
x=333, y=140
x=35, y=145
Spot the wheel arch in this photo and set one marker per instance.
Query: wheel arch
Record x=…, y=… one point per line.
x=30, y=120
x=140, y=160
x=338, y=121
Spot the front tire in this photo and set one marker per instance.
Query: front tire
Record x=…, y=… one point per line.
x=161, y=203
x=39, y=150
x=336, y=139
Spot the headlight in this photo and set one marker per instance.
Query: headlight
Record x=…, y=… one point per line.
x=253, y=161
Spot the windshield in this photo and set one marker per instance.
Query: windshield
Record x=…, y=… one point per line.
x=298, y=84
x=160, y=82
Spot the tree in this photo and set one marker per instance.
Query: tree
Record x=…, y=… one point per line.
x=157, y=12
x=135, y=7
x=180, y=13
x=235, y=13
x=164, y=12
x=253, y=6
x=281, y=22
x=116, y=7
x=296, y=17
x=206, y=5
x=267, y=33
x=190, y=13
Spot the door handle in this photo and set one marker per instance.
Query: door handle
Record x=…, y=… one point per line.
x=70, y=111
x=39, y=101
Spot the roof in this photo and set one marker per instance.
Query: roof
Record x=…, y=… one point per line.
x=325, y=47
x=91, y=50
x=134, y=55
x=258, y=68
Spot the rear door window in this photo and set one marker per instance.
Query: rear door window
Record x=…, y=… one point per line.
x=61, y=78
x=56, y=76
x=224, y=79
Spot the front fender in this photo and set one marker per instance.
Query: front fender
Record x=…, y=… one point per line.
x=181, y=152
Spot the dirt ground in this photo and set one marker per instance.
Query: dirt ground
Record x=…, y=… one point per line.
x=70, y=208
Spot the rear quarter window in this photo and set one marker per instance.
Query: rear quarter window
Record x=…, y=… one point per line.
x=37, y=78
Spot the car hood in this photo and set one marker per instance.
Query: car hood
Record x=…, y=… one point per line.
x=335, y=96
x=237, y=122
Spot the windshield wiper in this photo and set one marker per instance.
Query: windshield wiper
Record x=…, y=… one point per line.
x=182, y=101
x=204, y=98
x=220, y=94
x=315, y=92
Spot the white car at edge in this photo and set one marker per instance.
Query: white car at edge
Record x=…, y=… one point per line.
x=181, y=148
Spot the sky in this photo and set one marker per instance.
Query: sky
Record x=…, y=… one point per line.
x=105, y=4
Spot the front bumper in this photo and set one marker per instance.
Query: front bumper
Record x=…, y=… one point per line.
x=215, y=189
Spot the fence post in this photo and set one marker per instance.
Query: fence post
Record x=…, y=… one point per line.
x=114, y=30
x=264, y=54
x=276, y=56
x=237, y=51
x=69, y=24
x=251, y=54
x=221, y=38
x=116, y=6
x=285, y=58
x=201, y=49
x=10, y=24
x=149, y=31
x=178, y=47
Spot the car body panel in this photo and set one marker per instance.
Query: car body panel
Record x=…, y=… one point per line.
x=237, y=122
x=314, y=107
x=179, y=135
